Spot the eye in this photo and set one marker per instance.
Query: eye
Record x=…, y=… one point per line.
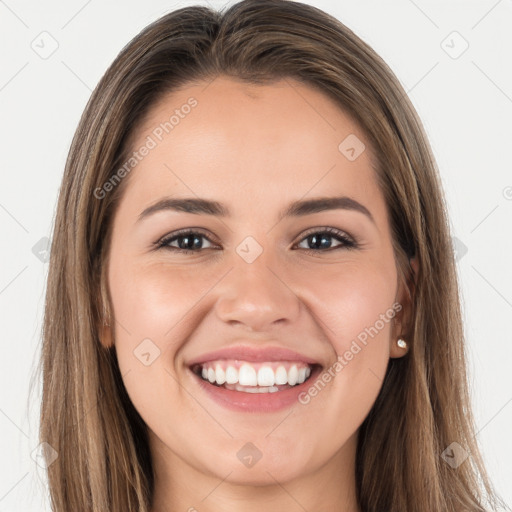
x=319, y=239
x=189, y=241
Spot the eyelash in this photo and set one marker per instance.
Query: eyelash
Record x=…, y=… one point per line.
x=347, y=242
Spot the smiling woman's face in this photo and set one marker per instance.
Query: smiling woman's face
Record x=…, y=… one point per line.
x=257, y=277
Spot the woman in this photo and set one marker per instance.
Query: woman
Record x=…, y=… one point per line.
x=252, y=298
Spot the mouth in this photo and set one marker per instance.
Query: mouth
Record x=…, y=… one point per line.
x=254, y=386
x=250, y=377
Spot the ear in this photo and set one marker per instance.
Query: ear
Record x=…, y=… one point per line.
x=402, y=323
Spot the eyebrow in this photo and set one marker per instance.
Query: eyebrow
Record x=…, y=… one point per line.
x=296, y=209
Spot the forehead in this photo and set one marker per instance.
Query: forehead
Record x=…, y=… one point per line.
x=233, y=141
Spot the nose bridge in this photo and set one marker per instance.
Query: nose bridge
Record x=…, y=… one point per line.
x=254, y=293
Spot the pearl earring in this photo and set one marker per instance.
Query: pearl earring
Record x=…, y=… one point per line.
x=401, y=343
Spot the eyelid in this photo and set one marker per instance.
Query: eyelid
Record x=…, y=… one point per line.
x=347, y=241
x=182, y=232
x=326, y=229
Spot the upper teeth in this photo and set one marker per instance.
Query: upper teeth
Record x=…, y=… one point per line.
x=255, y=374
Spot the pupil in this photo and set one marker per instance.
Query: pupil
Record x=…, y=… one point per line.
x=314, y=241
x=186, y=242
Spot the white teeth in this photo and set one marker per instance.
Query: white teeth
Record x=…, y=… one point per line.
x=231, y=375
x=281, y=376
x=220, y=374
x=293, y=375
x=247, y=376
x=265, y=376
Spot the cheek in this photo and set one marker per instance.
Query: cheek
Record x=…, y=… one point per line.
x=356, y=308
x=151, y=305
x=150, y=301
x=353, y=298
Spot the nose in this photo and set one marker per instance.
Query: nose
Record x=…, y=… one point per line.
x=255, y=296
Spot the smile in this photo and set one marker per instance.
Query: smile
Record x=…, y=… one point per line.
x=247, y=378
x=250, y=377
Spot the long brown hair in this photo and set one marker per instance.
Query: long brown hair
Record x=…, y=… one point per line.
x=104, y=462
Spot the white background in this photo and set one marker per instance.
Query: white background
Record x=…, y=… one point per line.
x=465, y=104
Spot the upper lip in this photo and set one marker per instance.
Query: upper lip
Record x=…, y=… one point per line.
x=253, y=354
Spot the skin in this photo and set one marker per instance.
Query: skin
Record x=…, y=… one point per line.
x=255, y=149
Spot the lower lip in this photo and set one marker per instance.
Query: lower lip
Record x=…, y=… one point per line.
x=256, y=402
